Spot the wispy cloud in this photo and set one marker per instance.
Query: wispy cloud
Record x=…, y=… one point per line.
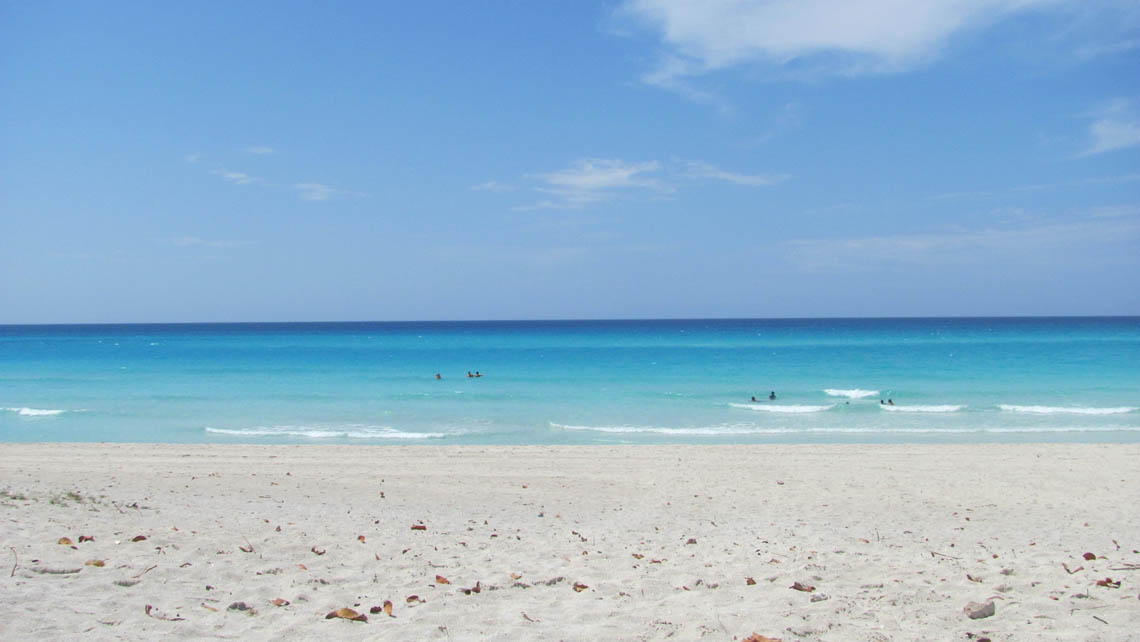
x=596, y=180
x=1115, y=126
x=320, y=192
x=259, y=150
x=697, y=169
x=1041, y=240
x=829, y=36
x=238, y=178
x=492, y=186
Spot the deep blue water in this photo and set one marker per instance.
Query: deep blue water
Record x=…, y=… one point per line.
x=691, y=381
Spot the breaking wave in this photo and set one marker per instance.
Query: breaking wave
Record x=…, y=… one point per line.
x=310, y=432
x=777, y=408
x=942, y=408
x=1067, y=410
x=855, y=393
x=34, y=412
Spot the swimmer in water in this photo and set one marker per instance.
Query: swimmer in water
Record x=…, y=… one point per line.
x=438, y=376
x=753, y=399
x=772, y=396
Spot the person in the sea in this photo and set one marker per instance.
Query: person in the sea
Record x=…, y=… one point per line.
x=437, y=376
x=882, y=403
x=772, y=396
x=469, y=374
x=478, y=374
x=890, y=402
x=754, y=399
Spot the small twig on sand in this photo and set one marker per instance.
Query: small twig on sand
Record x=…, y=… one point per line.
x=148, y=569
x=14, y=564
x=933, y=553
x=1097, y=618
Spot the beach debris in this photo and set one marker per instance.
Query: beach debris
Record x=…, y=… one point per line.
x=1108, y=583
x=756, y=637
x=1070, y=572
x=1090, y=556
x=99, y=563
x=819, y=597
x=516, y=576
x=138, y=538
x=241, y=606
x=207, y=606
x=318, y=551
x=360, y=538
x=303, y=567
x=638, y=556
x=439, y=579
x=579, y=587
x=347, y=614
x=977, y=611
x=692, y=540
x=66, y=541
x=802, y=587
x=972, y=578
x=748, y=581
x=414, y=599
x=529, y=618
x=419, y=527
x=279, y=602
x=386, y=609
x=153, y=612
x=44, y=570
x=86, y=538
x=478, y=588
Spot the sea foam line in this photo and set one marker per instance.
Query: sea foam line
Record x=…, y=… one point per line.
x=1066, y=410
x=942, y=408
x=355, y=432
x=767, y=407
x=854, y=393
x=714, y=431
x=34, y=412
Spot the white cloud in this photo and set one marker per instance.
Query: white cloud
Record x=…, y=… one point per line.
x=1116, y=126
x=1040, y=241
x=238, y=178
x=260, y=150
x=705, y=170
x=595, y=180
x=321, y=192
x=492, y=186
x=833, y=36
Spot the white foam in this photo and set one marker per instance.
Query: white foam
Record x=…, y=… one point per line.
x=733, y=430
x=854, y=393
x=335, y=432
x=942, y=408
x=34, y=412
x=767, y=407
x=711, y=431
x=1067, y=410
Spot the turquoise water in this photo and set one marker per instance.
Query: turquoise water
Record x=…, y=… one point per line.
x=576, y=382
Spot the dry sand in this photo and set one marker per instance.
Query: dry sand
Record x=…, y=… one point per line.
x=570, y=543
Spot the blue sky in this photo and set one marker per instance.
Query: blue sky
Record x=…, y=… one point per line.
x=283, y=161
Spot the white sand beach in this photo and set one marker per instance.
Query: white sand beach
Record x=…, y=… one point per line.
x=570, y=543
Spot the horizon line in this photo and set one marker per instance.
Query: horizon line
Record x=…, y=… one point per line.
x=576, y=320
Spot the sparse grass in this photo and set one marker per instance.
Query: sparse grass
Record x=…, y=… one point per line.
x=16, y=497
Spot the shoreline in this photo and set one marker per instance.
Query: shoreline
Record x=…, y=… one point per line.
x=896, y=539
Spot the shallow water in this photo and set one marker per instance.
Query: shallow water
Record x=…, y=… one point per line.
x=578, y=382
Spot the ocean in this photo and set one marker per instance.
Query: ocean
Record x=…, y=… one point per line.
x=959, y=380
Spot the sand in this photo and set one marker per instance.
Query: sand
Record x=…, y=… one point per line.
x=570, y=543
